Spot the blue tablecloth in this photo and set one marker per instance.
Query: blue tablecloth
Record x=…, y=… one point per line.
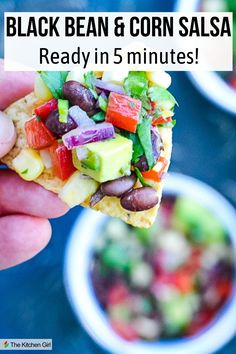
x=33, y=301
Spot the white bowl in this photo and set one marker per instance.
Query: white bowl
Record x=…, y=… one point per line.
x=209, y=83
x=86, y=307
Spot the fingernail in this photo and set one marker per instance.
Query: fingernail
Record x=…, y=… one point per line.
x=7, y=134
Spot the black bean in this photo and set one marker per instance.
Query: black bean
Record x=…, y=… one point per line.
x=118, y=186
x=78, y=95
x=114, y=188
x=57, y=128
x=142, y=164
x=139, y=199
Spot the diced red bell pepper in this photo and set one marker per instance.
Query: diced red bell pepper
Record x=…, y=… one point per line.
x=44, y=110
x=156, y=175
x=37, y=134
x=183, y=281
x=61, y=161
x=125, y=330
x=123, y=111
x=153, y=108
x=161, y=120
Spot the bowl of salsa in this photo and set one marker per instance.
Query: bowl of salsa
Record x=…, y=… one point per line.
x=167, y=289
x=218, y=87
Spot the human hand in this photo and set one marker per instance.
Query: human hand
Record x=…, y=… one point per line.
x=24, y=206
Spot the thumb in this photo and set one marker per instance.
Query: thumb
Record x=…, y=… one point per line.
x=7, y=134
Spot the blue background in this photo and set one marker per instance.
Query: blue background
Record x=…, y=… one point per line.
x=33, y=303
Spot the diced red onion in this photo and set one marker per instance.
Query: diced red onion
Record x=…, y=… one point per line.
x=46, y=158
x=103, y=94
x=81, y=136
x=80, y=117
x=157, y=143
x=108, y=87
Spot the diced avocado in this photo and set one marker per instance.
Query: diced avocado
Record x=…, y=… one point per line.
x=177, y=313
x=197, y=221
x=77, y=189
x=28, y=164
x=92, y=162
x=106, y=160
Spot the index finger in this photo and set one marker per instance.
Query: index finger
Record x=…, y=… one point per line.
x=14, y=85
x=20, y=197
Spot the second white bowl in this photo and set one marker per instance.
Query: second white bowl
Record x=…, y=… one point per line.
x=79, y=288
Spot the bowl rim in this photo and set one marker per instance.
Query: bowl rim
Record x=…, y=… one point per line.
x=85, y=305
x=209, y=83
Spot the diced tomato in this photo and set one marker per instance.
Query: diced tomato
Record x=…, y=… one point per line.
x=37, y=134
x=161, y=120
x=181, y=280
x=117, y=294
x=156, y=175
x=123, y=111
x=61, y=161
x=125, y=330
x=44, y=110
x=152, y=110
x=224, y=288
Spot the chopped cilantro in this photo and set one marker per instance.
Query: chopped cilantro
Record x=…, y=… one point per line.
x=146, y=102
x=136, y=84
x=163, y=98
x=25, y=171
x=137, y=147
x=98, y=117
x=144, y=134
x=54, y=80
x=103, y=102
x=63, y=108
x=89, y=82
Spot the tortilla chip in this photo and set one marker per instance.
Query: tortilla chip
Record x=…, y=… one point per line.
x=20, y=111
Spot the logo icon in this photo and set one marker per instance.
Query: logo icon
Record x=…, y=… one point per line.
x=5, y=344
